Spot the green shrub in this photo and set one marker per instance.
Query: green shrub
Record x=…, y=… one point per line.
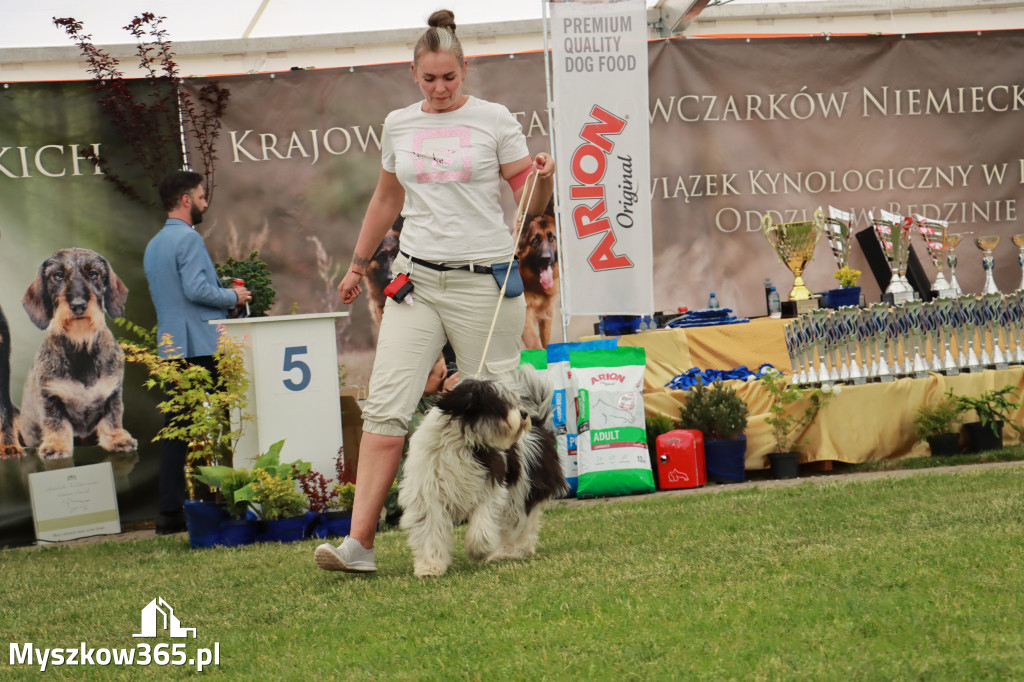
x=717, y=412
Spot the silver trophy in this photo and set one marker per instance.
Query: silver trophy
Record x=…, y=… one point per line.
x=969, y=321
x=988, y=261
x=866, y=341
x=805, y=330
x=900, y=340
x=880, y=324
x=934, y=234
x=915, y=335
x=893, y=233
x=981, y=327
x=820, y=322
x=952, y=241
x=799, y=376
x=849, y=323
x=1013, y=312
x=993, y=306
x=932, y=335
x=944, y=310
x=1018, y=241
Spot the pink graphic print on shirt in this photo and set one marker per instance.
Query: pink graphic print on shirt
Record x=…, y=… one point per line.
x=442, y=155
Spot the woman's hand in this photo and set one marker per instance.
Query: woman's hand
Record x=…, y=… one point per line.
x=349, y=288
x=544, y=165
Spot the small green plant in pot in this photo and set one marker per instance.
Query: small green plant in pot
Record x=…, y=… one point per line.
x=721, y=415
x=994, y=409
x=939, y=425
x=787, y=426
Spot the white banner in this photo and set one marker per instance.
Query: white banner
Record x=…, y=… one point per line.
x=602, y=143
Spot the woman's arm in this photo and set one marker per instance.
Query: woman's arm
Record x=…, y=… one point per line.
x=385, y=205
x=515, y=173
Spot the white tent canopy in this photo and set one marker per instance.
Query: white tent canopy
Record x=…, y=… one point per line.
x=274, y=35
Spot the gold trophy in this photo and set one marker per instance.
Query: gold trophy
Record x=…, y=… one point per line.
x=1018, y=241
x=794, y=243
x=986, y=244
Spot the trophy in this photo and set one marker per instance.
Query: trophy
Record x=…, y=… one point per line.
x=912, y=353
x=952, y=241
x=899, y=339
x=893, y=233
x=944, y=311
x=794, y=243
x=992, y=304
x=839, y=228
x=866, y=340
x=1013, y=319
x=932, y=335
x=1018, y=241
x=799, y=376
x=849, y=322
x=934, y=234
x=986, y=244
x=969, y=321
x=819, y=318
x=880, y=324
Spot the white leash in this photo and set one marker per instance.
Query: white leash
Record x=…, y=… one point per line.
x=524, y=201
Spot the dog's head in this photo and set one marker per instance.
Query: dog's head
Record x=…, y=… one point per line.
x=488, y=413
x=71, y=291
x=538, y=249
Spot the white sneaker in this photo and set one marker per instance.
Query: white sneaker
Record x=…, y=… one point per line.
x=350, y=556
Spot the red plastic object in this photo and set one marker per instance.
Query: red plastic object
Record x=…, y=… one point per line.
x=680, y=459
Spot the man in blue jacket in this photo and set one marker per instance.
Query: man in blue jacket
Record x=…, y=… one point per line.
x=187, y=294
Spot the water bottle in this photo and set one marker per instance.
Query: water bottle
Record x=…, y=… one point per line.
x=713, y=301
x=767, y=290
x=774, y=305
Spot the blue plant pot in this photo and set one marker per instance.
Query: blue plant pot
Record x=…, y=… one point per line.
x=238, y=532
x=725, y=460
x=336, y=524
x=836, y=298
x=284, y=530
x=203, y=520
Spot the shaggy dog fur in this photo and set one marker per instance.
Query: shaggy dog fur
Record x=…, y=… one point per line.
x=484, y=453
x=538, y=264
x=74, y=387
x=9, y=446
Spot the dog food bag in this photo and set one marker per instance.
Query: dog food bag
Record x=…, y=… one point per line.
x=565, y=401
x=612, y=452
x=537, y=358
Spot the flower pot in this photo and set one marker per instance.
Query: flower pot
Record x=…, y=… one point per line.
x=238, y=532
x=332, y=524
x=203, y=520
x=724, y=460
x=291, y=529
x=784, y=464
x=835, y=298
x=980, y=438
x=944, y=444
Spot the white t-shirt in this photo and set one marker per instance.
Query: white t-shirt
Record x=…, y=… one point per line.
x=449, y=165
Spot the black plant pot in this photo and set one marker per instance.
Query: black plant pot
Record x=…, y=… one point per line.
x=944, y=444
x=980, y=438
x=785, y=464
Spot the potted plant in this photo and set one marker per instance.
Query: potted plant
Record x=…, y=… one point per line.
x=211, y=415
x=994, y=409
x=787, y=426
x=848, y=292
x=938, y=424
x=330, y=504
x=256, y=276
x=721, y=415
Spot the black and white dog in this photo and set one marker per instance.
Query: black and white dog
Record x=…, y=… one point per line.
x=485, y=453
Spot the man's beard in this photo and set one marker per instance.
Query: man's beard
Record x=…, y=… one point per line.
x=197, y=215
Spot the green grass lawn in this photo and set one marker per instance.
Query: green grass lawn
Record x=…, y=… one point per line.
x=891, y=578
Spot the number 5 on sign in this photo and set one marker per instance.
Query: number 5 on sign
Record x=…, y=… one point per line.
x=294, y=361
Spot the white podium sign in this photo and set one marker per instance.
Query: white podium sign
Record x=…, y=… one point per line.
x=294, y=395
x=75, y=502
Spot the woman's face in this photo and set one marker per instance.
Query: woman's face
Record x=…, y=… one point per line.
x=440, y=77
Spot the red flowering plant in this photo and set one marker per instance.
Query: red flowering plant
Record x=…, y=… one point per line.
x=324, y=494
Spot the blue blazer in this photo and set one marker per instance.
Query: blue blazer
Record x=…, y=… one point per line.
x=185, y=289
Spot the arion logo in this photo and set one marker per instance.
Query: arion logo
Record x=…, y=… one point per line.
x=158, y=614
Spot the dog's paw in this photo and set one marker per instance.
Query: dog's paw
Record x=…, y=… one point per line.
x=54, y=451
x=430, y=570
x=118, y=440
x=11, y=451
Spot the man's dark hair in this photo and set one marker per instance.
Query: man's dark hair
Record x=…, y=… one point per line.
x=176, y=184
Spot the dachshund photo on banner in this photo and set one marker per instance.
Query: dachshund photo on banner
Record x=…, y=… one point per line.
x=73, y=391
